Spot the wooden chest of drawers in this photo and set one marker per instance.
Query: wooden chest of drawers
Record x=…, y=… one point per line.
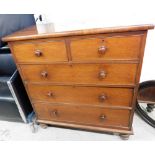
x=85, y=79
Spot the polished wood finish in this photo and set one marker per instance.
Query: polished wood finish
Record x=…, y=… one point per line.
x=94, y=116
x=40, y=51
x=53, y=30
x=86, y=78
x=97, y=96
x=81, y=73
x=115, y=130
x=118, y=47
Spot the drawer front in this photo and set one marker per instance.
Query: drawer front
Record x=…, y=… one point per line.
x=120, y=47
x=45, y=51
x=81, y=73
x=82, y=114
x=81, y=95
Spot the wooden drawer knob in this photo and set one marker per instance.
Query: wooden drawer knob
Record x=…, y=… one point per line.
x=50, y=94
x=102, y=49
x=44, y=74
x=102, y=117
x=38, y=53
x=102, y=97
x=102, y=74
x=54, y=113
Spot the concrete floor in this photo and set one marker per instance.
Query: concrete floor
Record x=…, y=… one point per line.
x=21, y=131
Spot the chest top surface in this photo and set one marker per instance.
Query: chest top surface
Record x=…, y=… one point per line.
x=61, y=30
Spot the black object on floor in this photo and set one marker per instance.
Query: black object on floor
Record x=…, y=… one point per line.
x=145, y=105
x=14, y=102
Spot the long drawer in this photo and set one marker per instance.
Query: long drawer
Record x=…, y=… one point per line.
x=81, y=73
x=94, y=116
x=116, y=47
x=81, y=95
x=40, y=51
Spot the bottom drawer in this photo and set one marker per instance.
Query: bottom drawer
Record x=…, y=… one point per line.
x=95, y=116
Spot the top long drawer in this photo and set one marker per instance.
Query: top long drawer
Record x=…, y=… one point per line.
x=115, y=74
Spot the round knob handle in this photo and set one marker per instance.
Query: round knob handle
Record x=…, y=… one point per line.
x=102, y=97
x=102, y=74
x=44, y=73
x=50, y=94
x=38, y=53
x=54, y=113
x=102, y=117
x=102, y=50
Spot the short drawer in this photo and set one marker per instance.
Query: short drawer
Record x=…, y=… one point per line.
x=94, y=116
x=81, y=95
x=116, y=74
x=40, y=51
x=109, y=48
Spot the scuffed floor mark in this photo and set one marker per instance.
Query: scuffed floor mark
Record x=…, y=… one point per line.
x=4, y=134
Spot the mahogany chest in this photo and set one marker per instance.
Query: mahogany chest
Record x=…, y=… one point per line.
x=86, y=79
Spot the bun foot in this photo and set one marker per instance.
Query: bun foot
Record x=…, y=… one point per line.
x=43, y=126
x=124, y=136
